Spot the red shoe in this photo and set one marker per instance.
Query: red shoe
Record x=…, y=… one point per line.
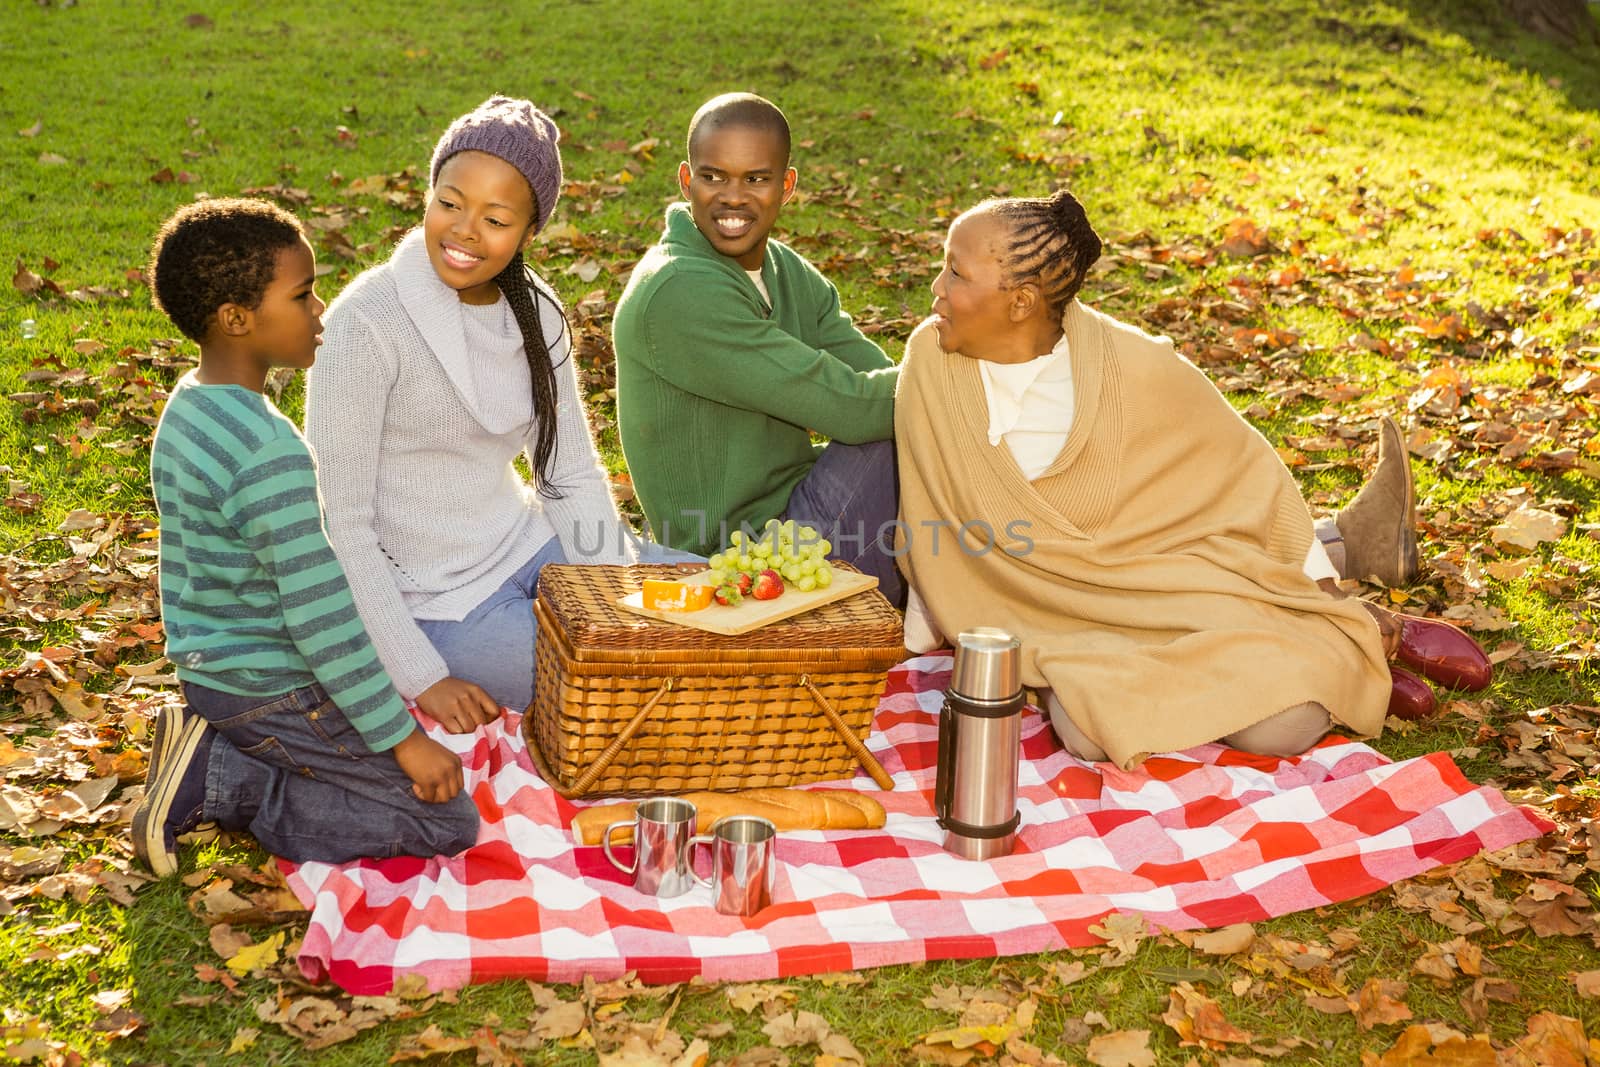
x=1442, y=653
x=1410, y=698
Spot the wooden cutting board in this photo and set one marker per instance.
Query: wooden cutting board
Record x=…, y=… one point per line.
x=751, y=614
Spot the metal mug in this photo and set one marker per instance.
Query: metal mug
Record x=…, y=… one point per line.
x=663, y=835
x=742, y=863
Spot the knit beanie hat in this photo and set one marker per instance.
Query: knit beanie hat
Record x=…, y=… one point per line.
x=518, y=133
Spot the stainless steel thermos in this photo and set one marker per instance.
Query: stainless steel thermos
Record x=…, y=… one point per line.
x=980, y=745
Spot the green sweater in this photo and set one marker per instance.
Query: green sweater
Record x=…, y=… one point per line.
x=717, y=395
x=253, y=600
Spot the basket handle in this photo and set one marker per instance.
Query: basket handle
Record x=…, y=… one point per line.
x=847, y=735
x=592, y=772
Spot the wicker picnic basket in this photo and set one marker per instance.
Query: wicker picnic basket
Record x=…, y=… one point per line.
x=628, y=705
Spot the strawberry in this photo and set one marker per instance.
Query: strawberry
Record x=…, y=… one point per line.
x=744, y=582
x=728, y=594
x=768, y=585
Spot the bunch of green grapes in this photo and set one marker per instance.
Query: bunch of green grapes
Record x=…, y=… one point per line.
x=796, y=552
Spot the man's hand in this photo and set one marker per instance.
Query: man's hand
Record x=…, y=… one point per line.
x=434, y=770
x=457, y=705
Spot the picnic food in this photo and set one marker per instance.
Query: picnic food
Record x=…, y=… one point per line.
x=768, y=585
x=733, y=590
x=797, y=554
x=789, y=809
x=662, y=595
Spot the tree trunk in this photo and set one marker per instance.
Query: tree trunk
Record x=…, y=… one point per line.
x=1564, y=21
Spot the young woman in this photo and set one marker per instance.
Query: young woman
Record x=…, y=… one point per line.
x=1072, y=479
x=439, y=368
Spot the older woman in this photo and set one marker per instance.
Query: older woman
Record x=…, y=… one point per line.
x=1072, y=479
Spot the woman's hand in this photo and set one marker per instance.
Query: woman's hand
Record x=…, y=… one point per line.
x=1388, y=627
x=458, y=705
x=1388, y=622
x=434, y=770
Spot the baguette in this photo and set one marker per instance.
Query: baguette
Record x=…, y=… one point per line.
x=789, y=809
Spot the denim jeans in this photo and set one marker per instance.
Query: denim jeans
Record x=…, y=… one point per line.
x=293, y=771
x=851, y=496
x=493, y=645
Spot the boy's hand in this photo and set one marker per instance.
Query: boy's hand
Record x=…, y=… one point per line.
x=434, y=770
x=458, y=705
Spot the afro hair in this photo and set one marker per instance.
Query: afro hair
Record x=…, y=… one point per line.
x=216, y=252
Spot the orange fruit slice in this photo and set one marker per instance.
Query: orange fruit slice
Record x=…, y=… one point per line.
x=661, y=595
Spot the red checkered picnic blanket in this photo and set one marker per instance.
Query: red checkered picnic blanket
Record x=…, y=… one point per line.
x=1195, y=839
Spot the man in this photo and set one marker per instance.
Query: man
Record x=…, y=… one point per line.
x=732, y=351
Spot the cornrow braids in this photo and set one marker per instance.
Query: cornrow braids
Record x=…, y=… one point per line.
x=523, y=296
x=1052, y=245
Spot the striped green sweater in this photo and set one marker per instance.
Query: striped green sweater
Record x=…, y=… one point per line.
x=253, y=600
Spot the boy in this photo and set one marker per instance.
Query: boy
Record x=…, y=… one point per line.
x=296, y=733
x=731, y=349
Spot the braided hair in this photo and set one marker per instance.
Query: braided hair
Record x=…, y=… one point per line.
x=1052, y=245
x=516, y=281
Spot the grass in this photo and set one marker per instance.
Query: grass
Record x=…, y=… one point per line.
x=1421, y=137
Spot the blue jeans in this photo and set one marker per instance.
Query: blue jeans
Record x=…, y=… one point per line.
x=493, y=645
x=851, y=496
x=293, y=771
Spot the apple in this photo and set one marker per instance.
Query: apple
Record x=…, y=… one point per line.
x=768, y=585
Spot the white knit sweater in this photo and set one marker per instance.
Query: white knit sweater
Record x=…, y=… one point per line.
x=415, y=439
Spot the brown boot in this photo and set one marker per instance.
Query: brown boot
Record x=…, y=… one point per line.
x=1379, y=525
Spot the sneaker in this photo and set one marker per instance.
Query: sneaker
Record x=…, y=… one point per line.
x=175, y=789
x=162, y=743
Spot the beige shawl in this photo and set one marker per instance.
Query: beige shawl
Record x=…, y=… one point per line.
x=1153, y=572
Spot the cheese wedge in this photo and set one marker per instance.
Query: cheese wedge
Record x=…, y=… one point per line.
x=661, y=595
